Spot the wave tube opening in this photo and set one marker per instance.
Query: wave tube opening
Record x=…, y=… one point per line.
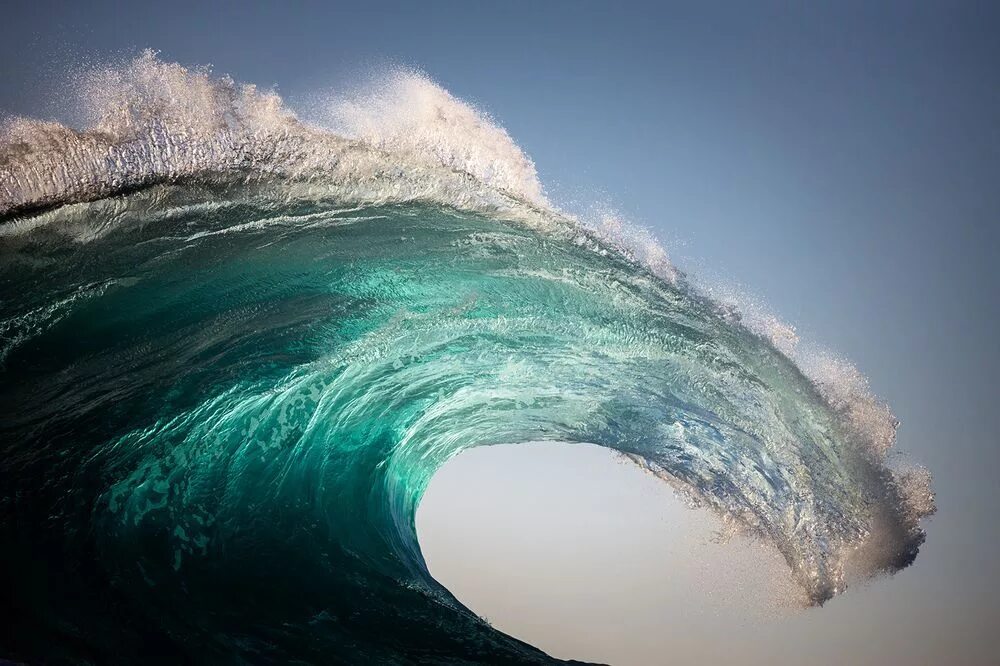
x=581, y=553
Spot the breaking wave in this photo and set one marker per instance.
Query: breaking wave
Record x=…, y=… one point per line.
x=236, y=346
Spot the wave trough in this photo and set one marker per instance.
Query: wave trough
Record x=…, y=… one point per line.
x=236, y=346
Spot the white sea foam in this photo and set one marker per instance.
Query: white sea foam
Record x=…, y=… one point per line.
x=151, y=122
x=407, y=115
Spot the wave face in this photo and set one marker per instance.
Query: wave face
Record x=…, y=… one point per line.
x=236, y=346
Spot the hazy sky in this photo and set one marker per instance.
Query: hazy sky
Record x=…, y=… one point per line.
x=841, y=162
x=588, y=557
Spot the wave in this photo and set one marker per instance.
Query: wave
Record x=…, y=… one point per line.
x=236, y=346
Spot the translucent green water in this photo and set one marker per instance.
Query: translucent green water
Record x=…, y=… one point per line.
x=217, y=420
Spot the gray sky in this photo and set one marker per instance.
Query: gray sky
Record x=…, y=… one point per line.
x=842, y=162
x=588, y=557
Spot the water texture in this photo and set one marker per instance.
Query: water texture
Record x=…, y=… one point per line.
x=235, y=347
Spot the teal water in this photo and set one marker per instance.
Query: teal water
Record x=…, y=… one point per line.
x=228, y=375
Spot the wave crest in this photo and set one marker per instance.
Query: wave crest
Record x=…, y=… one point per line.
x=150, y=122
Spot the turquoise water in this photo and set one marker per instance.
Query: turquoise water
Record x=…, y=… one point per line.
x=229, y=373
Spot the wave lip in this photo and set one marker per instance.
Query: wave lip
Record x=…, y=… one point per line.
x=237, y=346
x=150, y=122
